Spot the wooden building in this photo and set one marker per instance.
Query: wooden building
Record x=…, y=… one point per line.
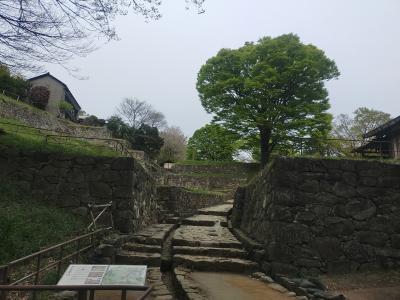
x=383, y=141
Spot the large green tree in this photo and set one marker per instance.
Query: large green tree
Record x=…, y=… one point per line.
x=274, y=88
x=212, y=142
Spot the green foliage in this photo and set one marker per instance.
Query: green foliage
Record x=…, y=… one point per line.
x=27, y=225
x=93, y=121
x=352, y=129
x=145, y=138
x=13, y=84
x=270, y=91
x=65, y=106
x=212, y=142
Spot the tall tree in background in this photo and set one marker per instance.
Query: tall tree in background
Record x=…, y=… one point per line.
x=144, y=138
x=33, y=32
x=274, y=89
x=174, y=147
x=212, y=142
x=136, y=113
x=353, y=128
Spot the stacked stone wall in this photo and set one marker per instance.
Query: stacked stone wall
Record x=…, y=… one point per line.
x=75, y=181
x=239, y=169
x=34, y=117
x=320, y=215
x=211, y=183
x=179, y=202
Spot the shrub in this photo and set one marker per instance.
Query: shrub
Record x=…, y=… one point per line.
x=39, y=96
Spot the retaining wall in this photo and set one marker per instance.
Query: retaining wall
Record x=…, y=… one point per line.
x=179, y=202
x=320, y=215
x=74, y=181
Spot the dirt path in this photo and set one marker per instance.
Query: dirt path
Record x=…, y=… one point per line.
x=377, y=285
x=226, y=286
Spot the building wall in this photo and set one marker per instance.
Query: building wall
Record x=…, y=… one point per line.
x=323, y=215
x=395, y=142
x=57, y=93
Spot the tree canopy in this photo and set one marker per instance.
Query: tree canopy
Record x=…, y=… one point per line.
x=351, y=129
x=273, y=89
x=144, y=138
x=33, y=32
x=174, y=147
x=136, y=112
x=212, y=142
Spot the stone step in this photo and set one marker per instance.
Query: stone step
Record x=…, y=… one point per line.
x=153, y=235
x=206, y=220
x=218, y=210
x=207, y=251
x=134, y=247
x=207, y=244
x=216, y=264
x=138, y=258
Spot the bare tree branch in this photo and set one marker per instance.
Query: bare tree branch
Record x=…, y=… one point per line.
x=53, y=31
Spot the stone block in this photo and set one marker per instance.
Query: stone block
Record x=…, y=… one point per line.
x=373, y=238
x=100, y=190
x=329, y=248
x=123, y=163
x=344, y=190
x=123, y=221
x=395, y=239
x=361, y=210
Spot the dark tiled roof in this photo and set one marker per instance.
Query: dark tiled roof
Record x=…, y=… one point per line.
x=383, y=129
x=69, y=97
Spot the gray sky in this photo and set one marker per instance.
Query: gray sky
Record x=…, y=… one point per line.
x=158, y=61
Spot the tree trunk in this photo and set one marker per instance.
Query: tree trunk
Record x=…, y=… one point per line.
x=265, y=136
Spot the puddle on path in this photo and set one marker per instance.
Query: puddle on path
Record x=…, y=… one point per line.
x=226, y=286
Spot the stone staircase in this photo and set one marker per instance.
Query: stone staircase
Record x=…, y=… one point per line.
x=145, y=247
x=205, y=243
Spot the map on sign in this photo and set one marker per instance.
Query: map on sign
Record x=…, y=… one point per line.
x=104, y=275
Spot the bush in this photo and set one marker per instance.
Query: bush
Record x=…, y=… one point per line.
x=13, y=85
x=65, y=106
x=39, y=96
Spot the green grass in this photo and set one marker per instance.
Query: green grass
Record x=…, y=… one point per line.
x=27, y=225
x=33, y=140
x=219, y=175
x=207, y=163
x=206, y=192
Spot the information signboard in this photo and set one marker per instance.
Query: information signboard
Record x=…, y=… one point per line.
x=104, y=275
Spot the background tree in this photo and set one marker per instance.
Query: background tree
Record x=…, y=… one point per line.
x=273, y=89
x=13, y=84
x=212, y=142
x=55, y=30
x=174, y=147
x=136, y=113
x=353, y=128
x=144, y=138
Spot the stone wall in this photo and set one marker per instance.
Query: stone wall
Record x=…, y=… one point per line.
x=35, y=117
x=179, y=202
x=239, y=169
x=206, y=182
x=73, y=182
x=316, y=216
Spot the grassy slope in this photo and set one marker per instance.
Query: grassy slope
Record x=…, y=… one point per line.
x=29, y=139
x=26, y=225
x=35, y=140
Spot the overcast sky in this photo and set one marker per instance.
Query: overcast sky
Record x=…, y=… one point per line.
x=158, y=61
